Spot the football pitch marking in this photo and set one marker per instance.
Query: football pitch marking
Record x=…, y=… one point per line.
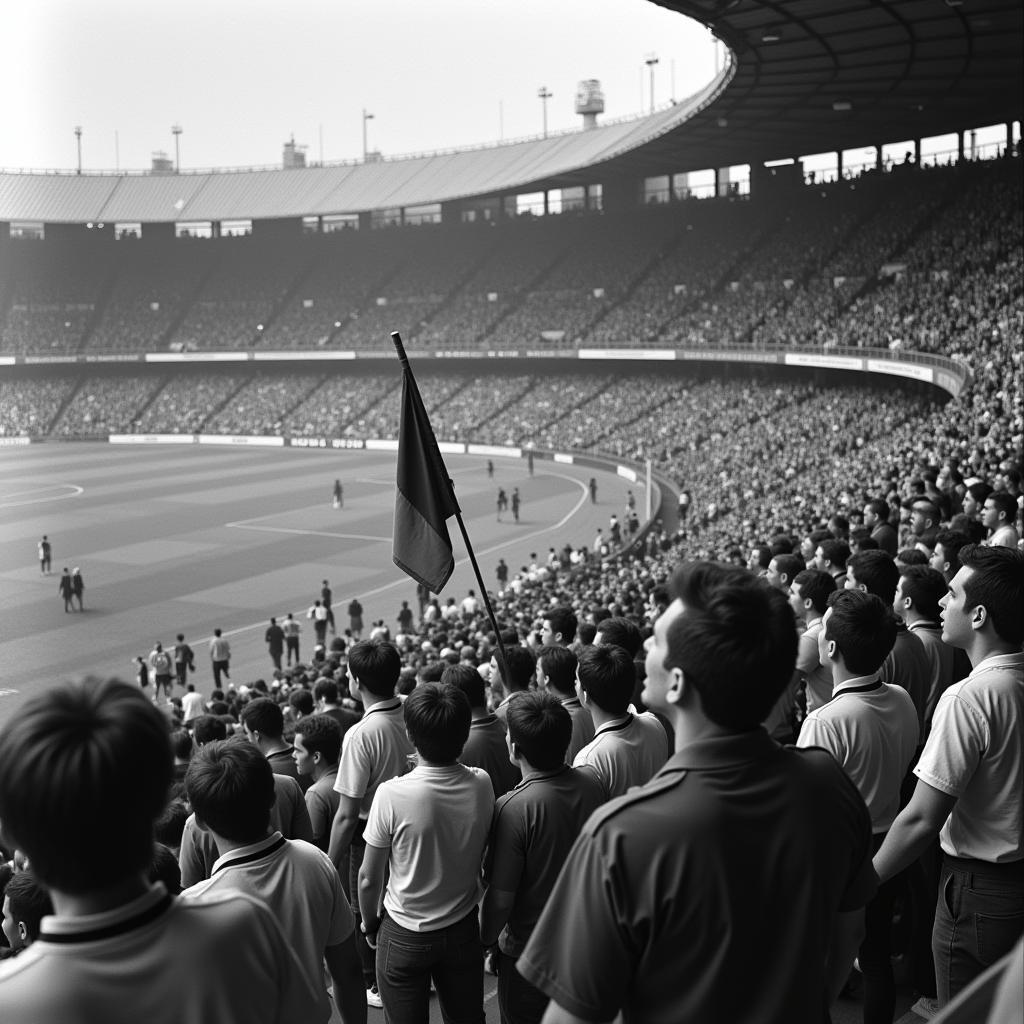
x=69, y=491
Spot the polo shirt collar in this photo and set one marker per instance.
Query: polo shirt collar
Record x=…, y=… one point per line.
x=483, y=723
x=247, y=854
x=538, y=776
x=858, y=684
x=1012, y=661
x=615, y=725
x=108, y=924
x=387, y=704
x=571, y=702
x=723, y=751
x=923, y=624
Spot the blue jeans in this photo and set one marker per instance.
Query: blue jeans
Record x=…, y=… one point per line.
x=978, y=918
x=452, y=956
x=519, y=1002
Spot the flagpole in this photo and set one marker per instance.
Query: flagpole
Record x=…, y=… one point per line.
x=407, y=371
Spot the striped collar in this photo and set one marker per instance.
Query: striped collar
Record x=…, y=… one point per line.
x=858, y=684
x=615, y=725
x=248, y=854
x=386, y=705
x=109, y=924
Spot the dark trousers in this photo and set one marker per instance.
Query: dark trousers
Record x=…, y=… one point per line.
x=219, y=668
x=452, y=956
x=367, y=957
x=292, y=644
x=875, y=953
x=978, y=918
x=519, y=1002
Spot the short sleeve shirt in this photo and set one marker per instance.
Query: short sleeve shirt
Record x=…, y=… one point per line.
x=625, y=753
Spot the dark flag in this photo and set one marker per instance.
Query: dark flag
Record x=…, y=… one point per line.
x=424, y=500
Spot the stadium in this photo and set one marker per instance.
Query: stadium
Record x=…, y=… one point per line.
x=728, y=324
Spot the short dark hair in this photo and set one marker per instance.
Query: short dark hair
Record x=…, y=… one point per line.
x=607, y=677
x=996, y=583
x=521, y=666
x=621, y=632
x=207, y=728
x=437, y=719
x=863, y=627
x=911, y=556
x=563, y=620
x=835, y=551
x=85, y=759
x=764, y=555
x=541, y=729
x=585, y=633
x=321, y=734
x=925, y=587
x=876, y=571
x=30, y=902
x=469, y=681
x=302, y=700
x=326, y=690
x=164, y=868
x=263, y=716
x=980, y=491
x=181, y=744
x=376, y=664
x=880, y=507
x=814, y=585
x=1004, y=502
x=559, y=665
x=789, y=566
x=736, y=642
x=170, y=825
x=230, y=786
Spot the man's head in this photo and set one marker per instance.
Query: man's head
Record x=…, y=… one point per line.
x=924, y=516
x=84, y=760
x=559, y=625
x=301, y=703
x=25, y=904
x=521, y=666
x=317, y=744
x=876, y=512
x=207, y=729
x=782, y=570
x=831, y=556
x=759, y=557
x=539, y=730
x=724, y=650
x=263, y=722
x=469, y=681
x=875, y=573
x=859, y=630
x=620, y=632
x=375, y=665
x=437, y=719
x=808, y=593
x=556, y=669
x=975, y=497
x=946, y=556
x=325, y=692
x=230, y=786
x=999, y=510
x=918, y=594
x=606, y=678
x=985, y=599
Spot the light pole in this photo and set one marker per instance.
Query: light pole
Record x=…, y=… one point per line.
x=544, y=96
x=366, y=117
x=651, y=60
x=78, y=140
x=176, y=132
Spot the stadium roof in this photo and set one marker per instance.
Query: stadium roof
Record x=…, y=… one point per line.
x=808, y=76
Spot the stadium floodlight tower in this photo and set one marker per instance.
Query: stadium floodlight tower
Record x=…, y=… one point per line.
x=176, y=132
x=366, y=117
x=589, y=101
x=651, y=60
x=78, y=140
x=544, y=94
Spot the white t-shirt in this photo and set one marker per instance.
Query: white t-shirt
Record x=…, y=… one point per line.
x=375, y=749
x=436, y=821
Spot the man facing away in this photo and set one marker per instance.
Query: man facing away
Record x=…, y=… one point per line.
x=94, y=759
x=970, y=776
x=556, y=671
x=726, y=827
x=534, y=827
x=425, y=841
x=231, y=789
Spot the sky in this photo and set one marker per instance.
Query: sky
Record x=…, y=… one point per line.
x=242, y=76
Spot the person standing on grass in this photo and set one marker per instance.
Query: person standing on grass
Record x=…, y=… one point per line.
x=66, y=589
x=78, y=587
x=220, y=656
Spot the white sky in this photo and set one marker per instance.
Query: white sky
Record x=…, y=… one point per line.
x=241, y=76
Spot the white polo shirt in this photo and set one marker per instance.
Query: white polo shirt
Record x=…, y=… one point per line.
x=975, y=752
x=625, y=752
x=161, y=960
x=870, y=728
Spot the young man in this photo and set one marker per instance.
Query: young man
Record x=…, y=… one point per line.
x=184, y=660
x=720, y=656
x=998, y=517
x=25, y=904
x=425, y=837
x=374, y=750
x=559, y=626
x=291, y=630
x=485, y=746
x=231, y=789
x=533, y=829
x=946, y=556
x=521, y=665
x=871, y=729
x=969, y=789
x=274, y=638
x=782, y=570
x=160, y=664
x=220, y=657
x=94, y=759
x=556, y=671
x=627, y=749
x=262, y=721
x=831, y=556
x=316, y=749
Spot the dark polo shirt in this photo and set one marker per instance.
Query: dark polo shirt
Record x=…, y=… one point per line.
x=532, y=832
x=710, y=893
x=909, y=666
x=486, y=748
x=582, y=726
